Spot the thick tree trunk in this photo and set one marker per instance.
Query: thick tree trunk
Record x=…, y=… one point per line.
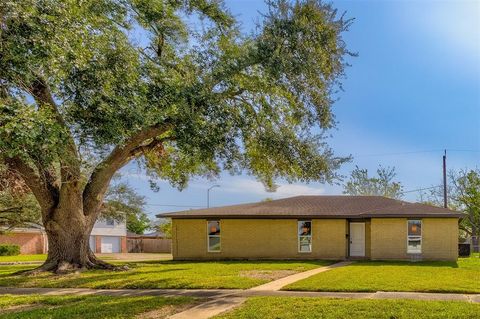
x=68, y=230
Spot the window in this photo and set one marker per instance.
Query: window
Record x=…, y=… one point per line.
x=110, y=222
x=304, y=236
x=213, y=232
x=414, y=241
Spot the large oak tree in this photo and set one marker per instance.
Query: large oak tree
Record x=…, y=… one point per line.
x=173, y=84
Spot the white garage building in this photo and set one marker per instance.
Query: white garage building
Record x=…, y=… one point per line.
x=109, y=236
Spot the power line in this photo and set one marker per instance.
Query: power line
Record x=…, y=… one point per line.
x=417, y=152
x=470, y=151
x=168, y=205
x=398, y=153
x=421, y=189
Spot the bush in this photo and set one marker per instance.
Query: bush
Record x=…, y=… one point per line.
x=9, y=250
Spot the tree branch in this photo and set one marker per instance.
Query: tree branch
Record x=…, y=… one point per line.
x=46, y=194
x=136, y=145
x=70, y=163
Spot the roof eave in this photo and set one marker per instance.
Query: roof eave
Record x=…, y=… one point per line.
x=313, y=216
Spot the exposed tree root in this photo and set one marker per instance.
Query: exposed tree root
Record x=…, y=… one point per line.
x=66, y=267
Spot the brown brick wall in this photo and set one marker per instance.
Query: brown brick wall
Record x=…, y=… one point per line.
x=439, y=238
x=123, y=244
x=259, y=239
x=385, y=238
x=30, y=243
x=98, y=244
x=368, y=239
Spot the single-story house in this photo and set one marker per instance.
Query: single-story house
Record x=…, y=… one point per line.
x=317, y=227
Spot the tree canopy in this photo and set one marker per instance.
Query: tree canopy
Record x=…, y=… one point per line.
x=173, y=84
x=360, y=183
x=124, y=204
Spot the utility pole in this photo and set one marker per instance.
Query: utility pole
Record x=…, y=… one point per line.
x=445, y=201
x=208, y=194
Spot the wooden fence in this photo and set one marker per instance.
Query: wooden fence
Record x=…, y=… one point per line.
x=148, y=245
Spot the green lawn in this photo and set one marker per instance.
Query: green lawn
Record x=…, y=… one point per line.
x=39, y=257
x=293, y=308
x=165, y=274
x=86, y=307
x=462, y=276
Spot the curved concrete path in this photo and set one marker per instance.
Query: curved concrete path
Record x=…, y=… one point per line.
x=282, y=282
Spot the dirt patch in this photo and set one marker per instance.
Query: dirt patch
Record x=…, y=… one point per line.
x=20, y=308
x=267, y=274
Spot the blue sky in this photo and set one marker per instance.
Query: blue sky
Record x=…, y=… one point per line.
x=413, y=91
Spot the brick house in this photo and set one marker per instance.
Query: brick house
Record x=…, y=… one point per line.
x=317, y=227
x=108, y=236
x=31, y=240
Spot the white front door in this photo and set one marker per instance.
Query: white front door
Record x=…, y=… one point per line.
x=357, y=239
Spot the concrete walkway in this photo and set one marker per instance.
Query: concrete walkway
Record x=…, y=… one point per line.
x=234, y=293
x=282, y=282
x=210, y=308
x=198, y=293
x=130, y=257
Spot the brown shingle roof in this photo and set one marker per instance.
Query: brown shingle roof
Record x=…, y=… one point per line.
x=321, y=207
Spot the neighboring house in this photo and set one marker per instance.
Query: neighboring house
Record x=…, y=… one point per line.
x=317, y=227
x=109, y=236
x=32, y=240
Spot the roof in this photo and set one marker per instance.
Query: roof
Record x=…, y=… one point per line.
x=341, y=206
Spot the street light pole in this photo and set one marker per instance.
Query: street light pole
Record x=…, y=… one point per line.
x=208, y=194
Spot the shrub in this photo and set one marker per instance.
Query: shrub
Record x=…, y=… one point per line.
x=9, y=250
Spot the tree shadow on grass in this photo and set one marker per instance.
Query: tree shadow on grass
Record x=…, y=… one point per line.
x=92, y=307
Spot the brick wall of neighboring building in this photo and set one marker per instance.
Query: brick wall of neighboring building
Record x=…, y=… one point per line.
x=123, y=244
x=30, y=243
x=98, y=244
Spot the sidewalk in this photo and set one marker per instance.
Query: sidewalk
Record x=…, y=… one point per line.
x=233, y=293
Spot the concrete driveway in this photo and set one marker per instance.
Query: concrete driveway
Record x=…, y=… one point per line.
x=135, y=257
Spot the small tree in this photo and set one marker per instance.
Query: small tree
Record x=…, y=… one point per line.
x=165, y=226
x=182, y=100
x=463, y=189
x=124, y=204
x=360, y=183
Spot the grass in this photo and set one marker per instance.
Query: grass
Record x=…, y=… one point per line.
x=458, y=277
x=164, y=274
x=88, y=307
x=38, y=257
x=293, y=308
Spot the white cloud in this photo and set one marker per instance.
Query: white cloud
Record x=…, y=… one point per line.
x=248, y=186
x=450, y=27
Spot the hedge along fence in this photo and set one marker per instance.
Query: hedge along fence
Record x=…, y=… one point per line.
x=9, y=250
